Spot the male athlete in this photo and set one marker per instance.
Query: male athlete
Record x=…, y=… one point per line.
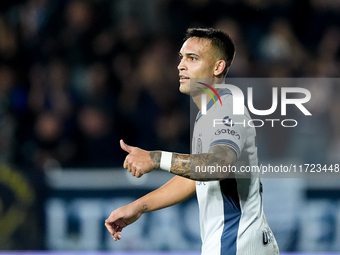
x=231, y=215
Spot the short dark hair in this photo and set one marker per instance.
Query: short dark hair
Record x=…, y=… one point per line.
x=218, y=38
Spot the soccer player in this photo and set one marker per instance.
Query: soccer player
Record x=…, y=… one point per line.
x=232, y=220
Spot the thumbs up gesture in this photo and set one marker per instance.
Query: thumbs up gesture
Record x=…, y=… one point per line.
x=138, y=161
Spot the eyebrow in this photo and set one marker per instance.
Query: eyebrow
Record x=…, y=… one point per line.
x=189, y=54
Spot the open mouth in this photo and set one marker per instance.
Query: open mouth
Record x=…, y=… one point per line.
x=183, y=78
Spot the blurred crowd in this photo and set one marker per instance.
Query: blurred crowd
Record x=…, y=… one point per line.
x=78, y=75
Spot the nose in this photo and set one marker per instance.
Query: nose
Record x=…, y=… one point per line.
x=181, y=66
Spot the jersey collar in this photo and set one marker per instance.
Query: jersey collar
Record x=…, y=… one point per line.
x=221, y=93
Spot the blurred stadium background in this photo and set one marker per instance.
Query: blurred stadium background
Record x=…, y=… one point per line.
x=78, y=75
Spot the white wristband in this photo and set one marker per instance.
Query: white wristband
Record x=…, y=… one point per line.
x=165, y=163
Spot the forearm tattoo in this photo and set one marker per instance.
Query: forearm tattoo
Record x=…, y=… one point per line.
x=184, y=164
x=156, y=158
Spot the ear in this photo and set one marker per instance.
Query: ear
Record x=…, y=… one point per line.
x=220, y=66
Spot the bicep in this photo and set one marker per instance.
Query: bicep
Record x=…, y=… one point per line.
x=188, y=185
x=224, y=153
x=179, y=189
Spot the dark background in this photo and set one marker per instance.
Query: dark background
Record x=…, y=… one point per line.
x=76, y=76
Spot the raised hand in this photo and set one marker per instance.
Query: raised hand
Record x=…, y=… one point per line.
x=138, y=161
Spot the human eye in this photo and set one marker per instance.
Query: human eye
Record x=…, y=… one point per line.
x=193, y=58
